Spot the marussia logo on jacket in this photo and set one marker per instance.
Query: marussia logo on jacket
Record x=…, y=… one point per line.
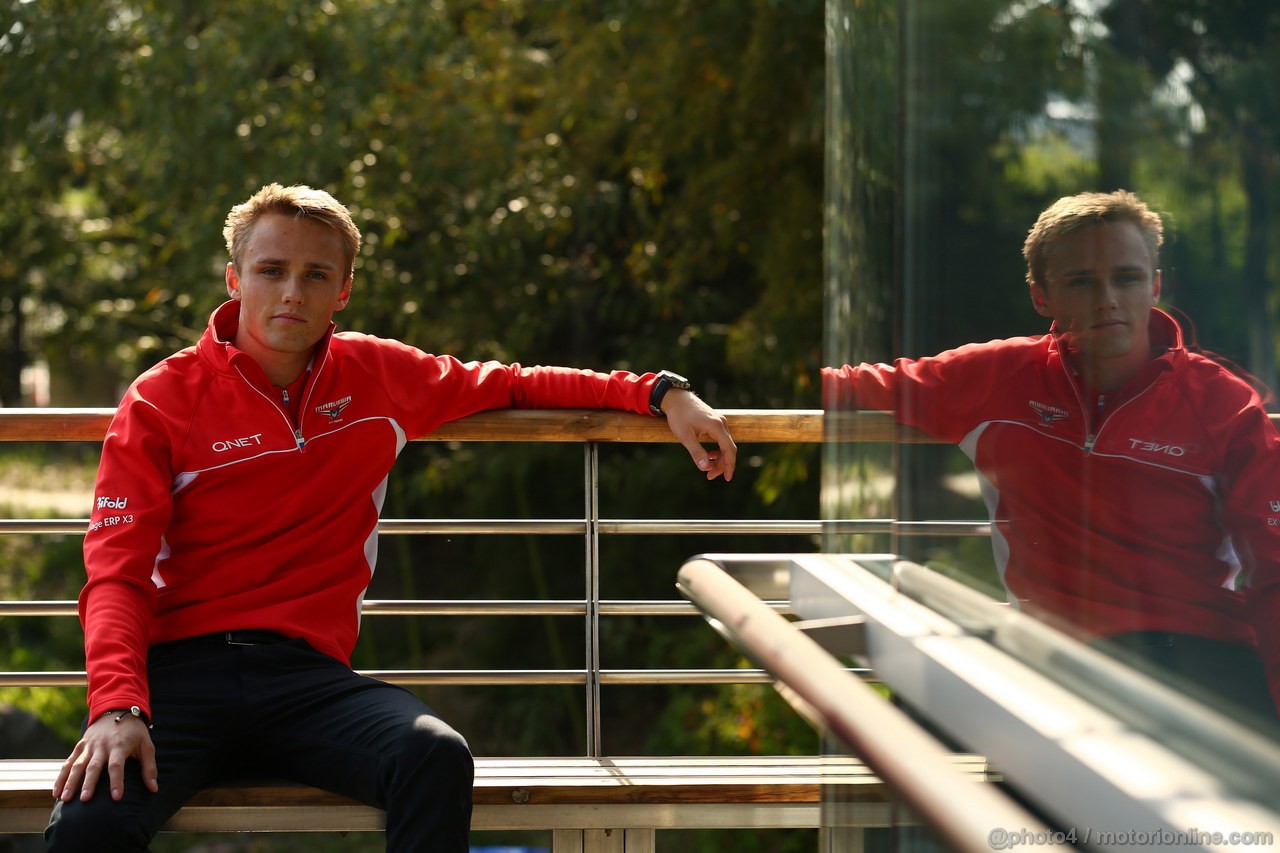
x=334, y=409
x=1048, y=414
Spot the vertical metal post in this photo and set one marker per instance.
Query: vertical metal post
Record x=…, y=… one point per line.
x=592, y=466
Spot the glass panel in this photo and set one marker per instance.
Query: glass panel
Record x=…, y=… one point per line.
x=861, y=266
x=1133, y=483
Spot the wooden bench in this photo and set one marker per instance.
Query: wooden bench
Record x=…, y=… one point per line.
x=587, y=803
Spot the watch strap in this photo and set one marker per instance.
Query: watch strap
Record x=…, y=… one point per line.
x=665, y=382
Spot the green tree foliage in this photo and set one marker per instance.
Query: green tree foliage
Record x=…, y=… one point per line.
x=604, y=184
x=537, y=181
x=1004, y=106
x=1211, y=147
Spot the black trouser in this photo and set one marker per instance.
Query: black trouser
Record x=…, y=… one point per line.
x=279, y=709
x=1208, y=670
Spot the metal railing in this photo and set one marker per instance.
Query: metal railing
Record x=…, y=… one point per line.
x=959, y=810
x=1080, y=737
x=591, y=429
x=917, y=772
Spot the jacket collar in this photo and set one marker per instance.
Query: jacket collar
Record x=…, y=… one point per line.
x=217, y=348
x=1166, y=342
x=1165, y=332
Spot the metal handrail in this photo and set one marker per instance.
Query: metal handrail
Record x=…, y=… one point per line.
x=961, y=811
x=439, y=607
x=588, y=427
x=471, y=677
x=612, y=526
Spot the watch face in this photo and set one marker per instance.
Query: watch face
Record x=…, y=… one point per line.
x=675, y=380
x=666, y=381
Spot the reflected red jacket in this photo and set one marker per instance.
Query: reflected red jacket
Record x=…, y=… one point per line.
x=1154, y=508
x=215, y=509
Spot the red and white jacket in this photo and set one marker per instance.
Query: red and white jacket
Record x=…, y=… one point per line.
x=216, y=508
x=1153, y=508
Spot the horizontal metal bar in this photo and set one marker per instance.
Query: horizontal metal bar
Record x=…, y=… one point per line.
x=924, y=528
x=613, y=526
x=37, y=608
x=477, y=676
x=668, y=608
x=406, y=607
x=392, y=676
x=491, y=677
x=685, y=676
x=536, y=607
x=389, y=607
x=663, y=525
x=459, y=526
x=436, y=526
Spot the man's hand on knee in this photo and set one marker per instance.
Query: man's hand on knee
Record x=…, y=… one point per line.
x=107, y=743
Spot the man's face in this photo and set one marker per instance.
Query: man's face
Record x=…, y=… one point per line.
x=1100, y=286
x=291, y=279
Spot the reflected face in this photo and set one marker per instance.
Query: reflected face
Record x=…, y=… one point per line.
x=291, y=278
x=1100, y=286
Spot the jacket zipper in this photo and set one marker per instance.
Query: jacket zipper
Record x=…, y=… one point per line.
x=306, y=400
x=311, y=386
x=296, y=431
x=1091, y=435
x=1092, y=438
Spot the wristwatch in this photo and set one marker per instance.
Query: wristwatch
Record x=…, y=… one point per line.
x=666, y=381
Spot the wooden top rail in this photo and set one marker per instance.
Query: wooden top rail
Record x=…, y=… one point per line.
x=801, y=426
x=566, y=425
x=524, y=793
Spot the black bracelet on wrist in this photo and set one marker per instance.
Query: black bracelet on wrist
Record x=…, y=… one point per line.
x=132, y=711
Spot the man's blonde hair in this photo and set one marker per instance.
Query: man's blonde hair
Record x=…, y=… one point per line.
x=297, y=200
x=1074, y=212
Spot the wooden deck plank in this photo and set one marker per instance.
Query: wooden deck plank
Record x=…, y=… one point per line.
x=533, y=793
x=764, y=779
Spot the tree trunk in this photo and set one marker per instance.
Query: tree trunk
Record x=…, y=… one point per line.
x=1258, y=174
x=11, y=359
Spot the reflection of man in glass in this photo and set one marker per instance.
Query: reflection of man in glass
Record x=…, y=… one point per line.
x=1135, y=486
